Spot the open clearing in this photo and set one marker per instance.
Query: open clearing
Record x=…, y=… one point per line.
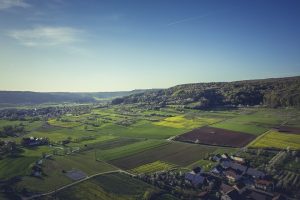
x=177, y=153
x=278, y=140
x=216, y=136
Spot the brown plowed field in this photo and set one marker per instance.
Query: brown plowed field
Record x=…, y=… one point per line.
x=288, y=130
x=216, y=136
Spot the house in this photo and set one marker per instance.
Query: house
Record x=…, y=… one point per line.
x=232, y=195
x=228, y=192
x=197, y=170
x=217, y=170
x=232, y=175
x=265, y=185
x=195, y=179
x=240, y=187
x=230, y=164
x=279, y=197
x=225, y=156
x=259, y=195
x=238, y=159
x=216, y=158
x=254, y=173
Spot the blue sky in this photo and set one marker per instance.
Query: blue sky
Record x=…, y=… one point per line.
x=96, y=45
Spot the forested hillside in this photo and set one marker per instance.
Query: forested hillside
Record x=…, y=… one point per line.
x=276, y=92
x=20, y=97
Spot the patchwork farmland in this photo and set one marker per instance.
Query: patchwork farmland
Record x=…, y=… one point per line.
x=138, y=141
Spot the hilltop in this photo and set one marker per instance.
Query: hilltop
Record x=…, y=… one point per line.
x=273, y=92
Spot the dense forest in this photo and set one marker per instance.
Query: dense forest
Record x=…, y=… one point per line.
x=275, y=92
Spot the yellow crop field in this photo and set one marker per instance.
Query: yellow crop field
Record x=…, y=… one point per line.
x=181, y=122
x=153, y=167
x=278, y=140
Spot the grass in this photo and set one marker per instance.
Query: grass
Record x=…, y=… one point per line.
x=153, y=167
x=64, y=124
x=109, y=186
x=142, y=129
x=275, y=139
x=11, y=167
x=129, y=149
x=254, y=123
x=20, y=164
x=112, y=143
x=182, y=122
x=59, y=134
x=54, y=177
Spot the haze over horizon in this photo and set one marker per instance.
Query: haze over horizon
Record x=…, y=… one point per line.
x=93, y=46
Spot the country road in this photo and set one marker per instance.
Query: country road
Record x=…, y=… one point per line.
x=74, y=183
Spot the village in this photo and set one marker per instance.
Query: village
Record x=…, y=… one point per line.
x=230, y=179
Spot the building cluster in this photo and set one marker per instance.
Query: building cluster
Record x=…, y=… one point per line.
x=236, y=180
x=34, y=141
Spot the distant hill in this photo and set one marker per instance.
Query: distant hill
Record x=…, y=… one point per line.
x=274, y=92
x=20, y=97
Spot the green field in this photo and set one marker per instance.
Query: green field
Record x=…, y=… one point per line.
x=275, y=139
x=143, y=129
x=153, y=167
x=53, y=170
x=129, y=149
x=19, y=165
x=109, y=186
x=256, y=122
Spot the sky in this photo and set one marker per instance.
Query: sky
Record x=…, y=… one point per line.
x=110, y=45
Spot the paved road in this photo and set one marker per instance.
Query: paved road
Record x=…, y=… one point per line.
x=74, y=183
